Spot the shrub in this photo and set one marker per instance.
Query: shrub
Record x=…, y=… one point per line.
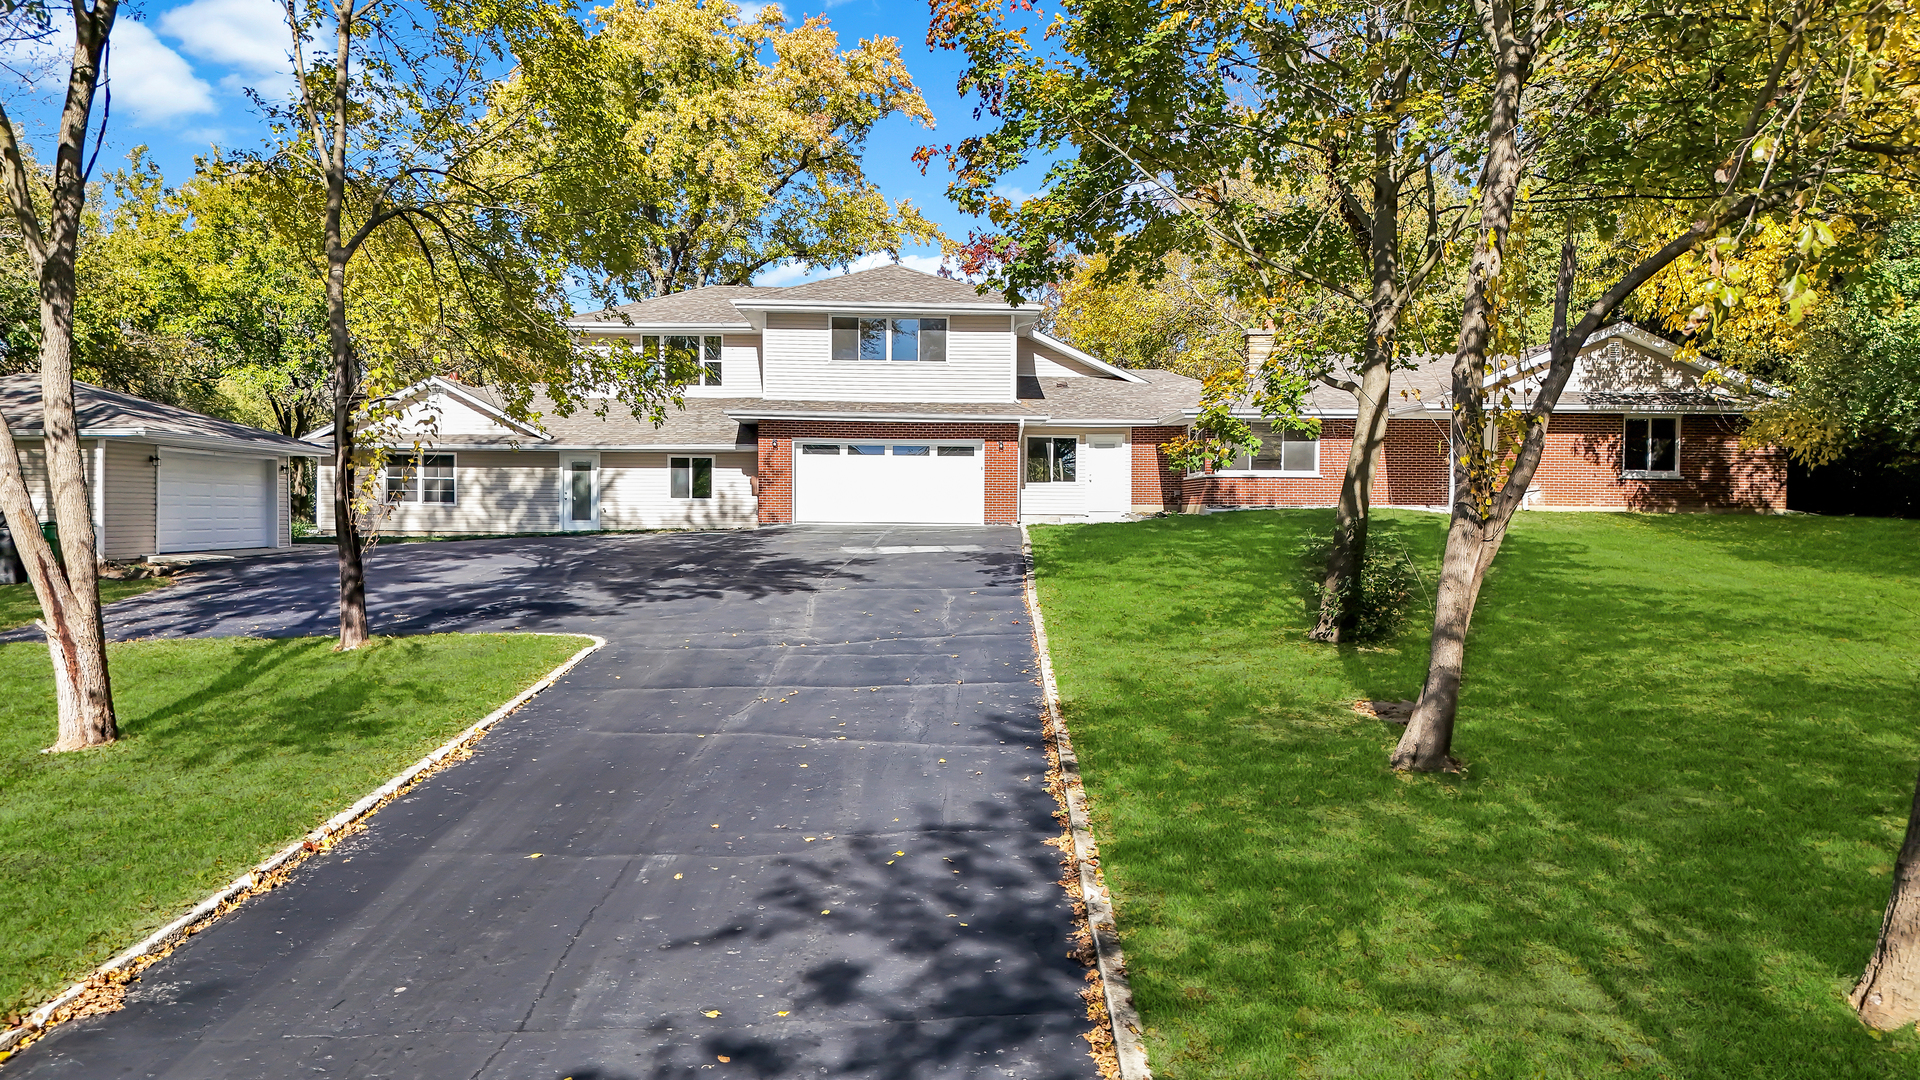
x=1389, y=584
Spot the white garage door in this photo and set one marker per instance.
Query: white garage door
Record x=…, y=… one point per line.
x=210, y=502
x=919, y=483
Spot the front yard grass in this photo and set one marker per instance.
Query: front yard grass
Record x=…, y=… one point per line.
x=1691, y=744
x=230, y=749
x=18, y=605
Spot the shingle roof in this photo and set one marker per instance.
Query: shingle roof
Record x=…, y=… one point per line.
x=712, y=305
x=885, y=408
x=100, y=411
x=885, y=284
x=1164, y=394
x=704, y=422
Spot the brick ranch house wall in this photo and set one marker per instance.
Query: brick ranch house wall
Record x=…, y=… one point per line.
x=774, y=485
x=1156, y=485
x=1336, y=443
x=1580, y=468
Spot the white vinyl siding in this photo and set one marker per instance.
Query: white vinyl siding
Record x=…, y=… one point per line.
x=131, y=497
x=499, y=491
x=1041, y=362
x=799, y=364
x=636, y=493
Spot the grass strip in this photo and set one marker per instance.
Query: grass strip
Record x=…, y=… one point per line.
x=1691, y=749
x=18, y=605
x=231, y=748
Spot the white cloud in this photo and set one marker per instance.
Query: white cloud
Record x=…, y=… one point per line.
x=1013, y=194
x=151, y=79
x=249, y=35
x=787, y=273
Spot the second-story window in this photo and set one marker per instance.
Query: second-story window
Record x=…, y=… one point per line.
x=699, y=354
x=922, y=340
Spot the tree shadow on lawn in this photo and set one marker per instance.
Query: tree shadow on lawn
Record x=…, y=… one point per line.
x=1669, y=857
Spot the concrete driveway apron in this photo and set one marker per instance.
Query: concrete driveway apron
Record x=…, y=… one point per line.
x=791, y=823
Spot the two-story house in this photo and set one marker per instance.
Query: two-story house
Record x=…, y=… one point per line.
x=883, y=396
x=893, y=396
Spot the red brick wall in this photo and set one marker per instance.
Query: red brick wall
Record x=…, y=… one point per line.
x=774, y=486
x=1155, y=483
x=1336, y=443
x=1580, y=467
x=1414, y=465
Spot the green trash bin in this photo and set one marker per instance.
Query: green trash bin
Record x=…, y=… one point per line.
x=51, y=530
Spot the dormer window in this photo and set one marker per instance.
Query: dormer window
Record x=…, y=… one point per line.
x=681, y=351
x=857, y=338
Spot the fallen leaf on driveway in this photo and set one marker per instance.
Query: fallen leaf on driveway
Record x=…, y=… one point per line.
x=535, y=855
x=723, y=1058
x=711, y=1013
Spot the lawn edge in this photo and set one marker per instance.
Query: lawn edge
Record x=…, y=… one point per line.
x=115, y=973
x=1129, y=1046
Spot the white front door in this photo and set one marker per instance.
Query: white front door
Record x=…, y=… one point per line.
x=579, y=492
x=1107, y=462
x=920, y=482
x=213, y=502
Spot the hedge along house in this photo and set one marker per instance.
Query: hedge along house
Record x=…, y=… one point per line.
x=163, y=480
x=885, y=396
x=1635, y=429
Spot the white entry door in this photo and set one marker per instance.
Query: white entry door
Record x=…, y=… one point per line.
x=579, y=492
x=893, y=481
x=1107, y=463
x=213, y=502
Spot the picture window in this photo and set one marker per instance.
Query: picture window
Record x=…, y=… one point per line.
x=691, y=477
x=889, y=339
x=1284, y=451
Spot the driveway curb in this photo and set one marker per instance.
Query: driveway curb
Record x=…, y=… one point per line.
x=1129, y=1047
x=117, y=972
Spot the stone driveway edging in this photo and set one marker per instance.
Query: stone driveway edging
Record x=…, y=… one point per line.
x=157, y=944
x=1129, y=1047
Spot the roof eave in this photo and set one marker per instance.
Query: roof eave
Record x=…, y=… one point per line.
x=931, y=418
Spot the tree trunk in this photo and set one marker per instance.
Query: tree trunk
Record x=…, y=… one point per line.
x=1340, y=590
x=1479, y=520
x=1888, y=995
x=1352, y=520
x=346, y=374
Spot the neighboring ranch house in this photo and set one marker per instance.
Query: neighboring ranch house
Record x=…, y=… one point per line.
x=163, y=480
x=892, y=396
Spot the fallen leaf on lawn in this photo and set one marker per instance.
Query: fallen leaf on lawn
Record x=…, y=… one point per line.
x=710, y=1014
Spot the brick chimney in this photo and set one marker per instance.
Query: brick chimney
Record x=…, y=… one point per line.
x=1259, y=349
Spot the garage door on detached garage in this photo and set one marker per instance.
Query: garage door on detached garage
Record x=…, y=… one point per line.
x=903, y=482
x=213, y=502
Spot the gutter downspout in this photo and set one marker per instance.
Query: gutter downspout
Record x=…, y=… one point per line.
x=99, y=500
x=1019, y=474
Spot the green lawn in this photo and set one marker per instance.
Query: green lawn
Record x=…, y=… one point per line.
x=1691, y=740
x=230, y=749
x=18, y=607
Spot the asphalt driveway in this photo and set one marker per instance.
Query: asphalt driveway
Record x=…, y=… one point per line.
x=791, y=823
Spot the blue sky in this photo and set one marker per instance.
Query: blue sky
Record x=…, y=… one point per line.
x=180, y=69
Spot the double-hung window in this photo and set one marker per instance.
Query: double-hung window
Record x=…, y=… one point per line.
x=1283, y=450
x=426, y=478
x=906, y=340
x=692, y=357
x=1652, y=446
x=690, y=477
x=1051, y=461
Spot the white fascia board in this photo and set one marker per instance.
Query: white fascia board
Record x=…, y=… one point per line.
x=454, y=389
x=242, y=447
x=1088, y=359
x=876, y=417
x=887, y=306
x=1076, y=422
x=659, y=327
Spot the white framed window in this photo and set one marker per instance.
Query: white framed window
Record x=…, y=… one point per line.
x=1651, y=447
x=699, y=353
x=1283, y=451
x=1052, y=460
x=690, y=477
x=922, y=340
x=425, y=478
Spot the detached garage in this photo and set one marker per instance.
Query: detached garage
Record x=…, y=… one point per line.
x=164, y=480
